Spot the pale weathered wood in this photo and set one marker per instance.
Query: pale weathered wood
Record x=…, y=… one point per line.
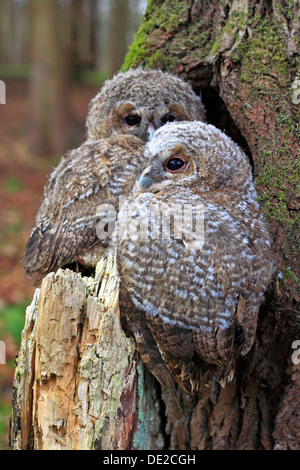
x=77, y=383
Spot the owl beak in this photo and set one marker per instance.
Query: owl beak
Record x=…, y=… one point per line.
x=150, y=131
x=145, y=180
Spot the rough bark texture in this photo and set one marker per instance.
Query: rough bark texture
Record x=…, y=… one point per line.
x=77, y=383
x=244, y=58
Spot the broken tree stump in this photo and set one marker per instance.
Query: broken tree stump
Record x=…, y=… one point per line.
x=77, y=382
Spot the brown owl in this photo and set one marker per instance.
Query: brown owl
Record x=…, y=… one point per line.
x=193, y=255
x=139, y=101
x=81, y=194
x=121, y=118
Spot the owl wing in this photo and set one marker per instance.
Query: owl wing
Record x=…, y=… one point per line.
x=195, y=330
x=243, y=264
x=66, y=225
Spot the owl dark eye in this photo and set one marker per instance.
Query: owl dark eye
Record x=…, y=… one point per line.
x=174, y=164
x=132, y=120
x=167, y=118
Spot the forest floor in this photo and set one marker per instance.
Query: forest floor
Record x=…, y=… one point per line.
x=22, y=178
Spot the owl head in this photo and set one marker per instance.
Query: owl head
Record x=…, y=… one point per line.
x=138, y=102
x=195, y=154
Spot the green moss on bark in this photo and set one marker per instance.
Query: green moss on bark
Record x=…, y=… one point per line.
x=266, y=72
x=167, y=34
x=158, y=20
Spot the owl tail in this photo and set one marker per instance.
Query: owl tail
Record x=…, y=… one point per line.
x=134, y=322
x=34, y=259
x=246, y=321
x=215, y=345
x=40, y=254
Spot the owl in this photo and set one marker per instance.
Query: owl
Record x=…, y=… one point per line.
x=81, y=197
x=139, y=101
x=194, y=256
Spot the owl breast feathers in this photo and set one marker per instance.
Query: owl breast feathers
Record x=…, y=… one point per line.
x=195, y=259
x=121, y=118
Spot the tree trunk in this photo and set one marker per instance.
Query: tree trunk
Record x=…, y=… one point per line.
x=49, y=134
x=118, y=31
x=77, y=382
x=243, y=56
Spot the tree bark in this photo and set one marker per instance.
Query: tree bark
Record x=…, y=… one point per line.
x=243, y=57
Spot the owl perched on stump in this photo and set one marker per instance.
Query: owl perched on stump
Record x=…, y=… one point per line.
x=194, y=255
x=121, y=118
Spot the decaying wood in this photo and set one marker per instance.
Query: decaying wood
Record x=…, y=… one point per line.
x=77, y=382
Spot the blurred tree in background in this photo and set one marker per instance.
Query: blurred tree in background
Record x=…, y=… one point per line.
x=48, y=79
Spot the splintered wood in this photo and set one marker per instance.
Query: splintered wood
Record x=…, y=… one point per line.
x=76, y=380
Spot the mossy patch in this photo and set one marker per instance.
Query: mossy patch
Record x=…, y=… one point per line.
x=165, y=35
x=288, y=274
x=267, y=72
x=236, y=23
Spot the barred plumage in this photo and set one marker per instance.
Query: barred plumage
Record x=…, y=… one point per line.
x=79, y=190
x=196, y=295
